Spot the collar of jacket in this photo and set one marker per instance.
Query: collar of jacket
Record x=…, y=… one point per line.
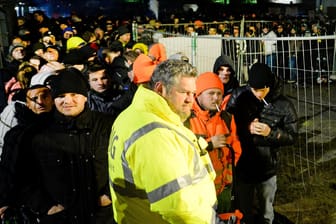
x=201, y=113
x=108, y=95
x=146, y=99
x=81, y=121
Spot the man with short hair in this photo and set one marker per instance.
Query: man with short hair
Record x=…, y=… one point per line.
x=158, y=172
x=104, y=95
x=39, y=100
x=98, y=79
x=212, y=30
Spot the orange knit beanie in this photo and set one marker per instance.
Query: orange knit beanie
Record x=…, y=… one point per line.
x=208, y=80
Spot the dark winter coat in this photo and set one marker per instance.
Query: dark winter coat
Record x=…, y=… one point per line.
x=72, y=159
x=112, y=102
x=17, y=165
x=104, y=102
x=259, y=158
x=5, y=75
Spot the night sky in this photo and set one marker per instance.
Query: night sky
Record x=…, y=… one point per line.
x=89, y=7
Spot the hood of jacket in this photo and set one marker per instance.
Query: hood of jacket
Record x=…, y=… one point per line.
x=81, y=121
x=156, y=104
x=233, y=83
x=223, y=60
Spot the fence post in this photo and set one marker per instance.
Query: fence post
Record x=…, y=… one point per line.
x=193, y=48
x=334, y=60
x=135, y=31
x=241, y=51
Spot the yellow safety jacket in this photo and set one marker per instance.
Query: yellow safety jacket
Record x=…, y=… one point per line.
x=158, y=173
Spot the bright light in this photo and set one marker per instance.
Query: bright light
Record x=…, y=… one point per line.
x=286, y=1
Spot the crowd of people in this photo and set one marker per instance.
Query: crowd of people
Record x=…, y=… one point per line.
x=292, y=59
x=99, y=128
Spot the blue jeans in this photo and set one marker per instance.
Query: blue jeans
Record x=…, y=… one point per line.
x=292, y=68
x=271, y=61
x=257, y=198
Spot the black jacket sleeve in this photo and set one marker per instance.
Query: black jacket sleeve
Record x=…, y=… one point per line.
x=20, y=183
x=282, y=118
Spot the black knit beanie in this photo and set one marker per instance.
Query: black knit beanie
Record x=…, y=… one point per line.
x=260, y=76
x=122, y=30
x=69, y=80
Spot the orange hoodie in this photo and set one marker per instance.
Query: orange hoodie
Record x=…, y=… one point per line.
x=158, y=51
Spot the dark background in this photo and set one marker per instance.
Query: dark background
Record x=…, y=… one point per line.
x=129, y=8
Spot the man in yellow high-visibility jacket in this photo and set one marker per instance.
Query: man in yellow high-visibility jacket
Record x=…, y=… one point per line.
x=158, y=171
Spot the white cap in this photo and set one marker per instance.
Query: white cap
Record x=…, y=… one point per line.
x=40, y=79
x=179, y=56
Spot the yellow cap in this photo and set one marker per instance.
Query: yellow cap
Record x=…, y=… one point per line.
x=74, y=42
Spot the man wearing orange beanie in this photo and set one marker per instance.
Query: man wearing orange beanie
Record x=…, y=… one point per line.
x=209, y=121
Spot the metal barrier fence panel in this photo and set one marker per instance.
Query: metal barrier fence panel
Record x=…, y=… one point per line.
x=307, y=180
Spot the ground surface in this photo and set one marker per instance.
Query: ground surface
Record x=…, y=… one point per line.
x=307, y=175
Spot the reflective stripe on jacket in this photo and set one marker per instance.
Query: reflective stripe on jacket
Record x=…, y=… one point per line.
x=158, y=173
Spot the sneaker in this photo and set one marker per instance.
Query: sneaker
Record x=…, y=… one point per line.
x=319, y=80
x=332, y=77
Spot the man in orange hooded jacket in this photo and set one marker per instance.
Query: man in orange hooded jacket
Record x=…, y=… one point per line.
x=209, y=120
